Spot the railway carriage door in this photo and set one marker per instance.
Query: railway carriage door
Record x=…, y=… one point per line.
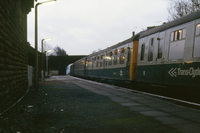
x=160, y=46
x=133, y=61
x=197, y=42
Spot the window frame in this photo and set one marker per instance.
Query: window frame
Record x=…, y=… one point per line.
x=178, y=35
x=142, y=52
x=160, y=48
x=197, y=30
x=110, y=62
x=151, y=51
x=122, y=56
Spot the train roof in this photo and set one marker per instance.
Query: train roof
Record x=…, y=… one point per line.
x=114, y=46
x=182, y=20
x=121, y=43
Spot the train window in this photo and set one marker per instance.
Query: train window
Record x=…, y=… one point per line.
x=160, y=45
x=116, y=52
x=122, y=56
x=151, y=41
x=97, y=64
x=110, y=58
x=142, y=52
x=122, y=50
x=106, y=59
x=151, y=48
x=101, y=64
x=115, y=62
x=178, y=35
x=92, y=64
x=111, y=53
x=197, y=42
x=122, y=59
x=198, y=30
x=102, y=57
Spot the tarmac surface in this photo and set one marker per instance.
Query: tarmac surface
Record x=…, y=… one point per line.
x=66, y=104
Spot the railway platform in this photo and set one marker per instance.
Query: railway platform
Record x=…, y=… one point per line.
x=66, y=104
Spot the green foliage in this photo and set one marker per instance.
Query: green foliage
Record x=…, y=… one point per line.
x=59, y=52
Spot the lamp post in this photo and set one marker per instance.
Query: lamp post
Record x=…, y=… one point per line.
x=36, y=43
x=42, y=62
x=47, y=67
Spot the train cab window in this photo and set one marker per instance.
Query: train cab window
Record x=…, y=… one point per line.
x=142, y=52
x=198, y=30
x=178, y=35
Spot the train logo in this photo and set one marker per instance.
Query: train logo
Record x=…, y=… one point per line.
x=175, y=72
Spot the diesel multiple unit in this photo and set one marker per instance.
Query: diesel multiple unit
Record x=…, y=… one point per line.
x=167, y=55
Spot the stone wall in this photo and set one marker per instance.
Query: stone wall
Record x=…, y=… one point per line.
x=13, y=49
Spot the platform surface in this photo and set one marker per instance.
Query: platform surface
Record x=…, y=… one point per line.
x=67, y=104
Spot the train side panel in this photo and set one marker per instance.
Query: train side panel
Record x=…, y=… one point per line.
x=80, y=67
x=170, y=57
x=111, y=63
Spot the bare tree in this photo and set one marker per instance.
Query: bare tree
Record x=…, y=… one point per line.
x=58, y=52
x=180, y=8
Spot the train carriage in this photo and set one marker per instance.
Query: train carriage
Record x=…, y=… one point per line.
x=79, y=67
x=111, y=63
x=170, y=54
x=166, y=55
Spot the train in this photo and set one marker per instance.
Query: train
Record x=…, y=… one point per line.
x=168, y=54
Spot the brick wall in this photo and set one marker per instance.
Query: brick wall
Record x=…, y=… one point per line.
x=13, y=49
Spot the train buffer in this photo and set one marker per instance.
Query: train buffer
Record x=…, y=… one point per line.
x=69, y=104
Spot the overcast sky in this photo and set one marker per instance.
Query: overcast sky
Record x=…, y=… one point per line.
x=83, y=26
